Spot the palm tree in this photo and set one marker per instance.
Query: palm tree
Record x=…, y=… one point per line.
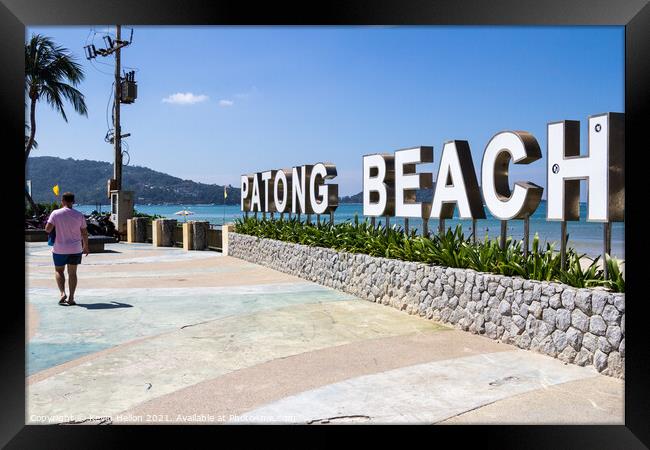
x=27, y=137
x=51, y=73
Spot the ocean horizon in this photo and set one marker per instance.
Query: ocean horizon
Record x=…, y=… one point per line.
x=585, y=237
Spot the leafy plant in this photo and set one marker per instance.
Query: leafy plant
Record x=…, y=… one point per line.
x=450, y=249
x=615, y=280
x=575, y=275
x=137, y=213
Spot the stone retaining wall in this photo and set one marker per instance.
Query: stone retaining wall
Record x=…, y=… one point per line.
x=580, y=326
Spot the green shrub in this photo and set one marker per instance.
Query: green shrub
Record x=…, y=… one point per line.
x=451, y=249
x=151, y=217
x=615, y=280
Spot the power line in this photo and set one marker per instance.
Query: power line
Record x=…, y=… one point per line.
x=135, y=69
x=92, y=64
x=110, y=97
x=88, y=37
x=90, y=46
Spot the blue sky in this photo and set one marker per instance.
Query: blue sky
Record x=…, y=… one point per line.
x=271, y=97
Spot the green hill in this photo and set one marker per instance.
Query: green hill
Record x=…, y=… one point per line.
x=422, y=195
x=88, y=179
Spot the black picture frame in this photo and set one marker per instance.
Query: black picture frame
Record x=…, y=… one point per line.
x=15, y=15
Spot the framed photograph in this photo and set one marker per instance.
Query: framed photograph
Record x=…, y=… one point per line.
x=349, y=214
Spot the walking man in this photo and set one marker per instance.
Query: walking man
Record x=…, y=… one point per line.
x=71, y=240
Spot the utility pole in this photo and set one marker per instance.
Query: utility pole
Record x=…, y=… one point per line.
x=125, y=92
x=117, y=166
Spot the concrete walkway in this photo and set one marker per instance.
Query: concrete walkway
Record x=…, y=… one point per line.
x=166, y=336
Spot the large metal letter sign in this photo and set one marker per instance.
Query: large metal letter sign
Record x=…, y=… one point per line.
x=378, y=179
x=282, y=190
x=407, y=181
x=257, y=199
x=267, y=177
x=456, y=184
x=391, y=181
x=323, y=197
x=246, y=192
x=603, y=168
x=522, y=148
x=300, y=190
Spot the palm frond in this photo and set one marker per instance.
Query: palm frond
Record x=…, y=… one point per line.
x=52, y=73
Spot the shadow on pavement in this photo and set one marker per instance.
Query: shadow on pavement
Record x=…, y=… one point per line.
x=111, y=305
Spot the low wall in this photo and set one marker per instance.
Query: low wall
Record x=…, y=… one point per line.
x=35, y=236
x=580, y=326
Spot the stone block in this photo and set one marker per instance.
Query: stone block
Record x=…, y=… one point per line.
x=580, y=320
x=200, y=235
x=597, y=325
x=568, y=301
x=163, y=232
x=562, y=319
x=600, y=360
x=582, y=300
x=590, y=342
x=611, y=315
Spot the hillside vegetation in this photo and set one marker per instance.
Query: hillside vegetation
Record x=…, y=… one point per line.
x=88, y=179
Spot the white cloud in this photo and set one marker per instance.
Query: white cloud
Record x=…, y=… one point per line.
x=226, y=103
x=186, y=98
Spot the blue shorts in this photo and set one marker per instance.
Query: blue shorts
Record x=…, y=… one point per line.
x=62, y=260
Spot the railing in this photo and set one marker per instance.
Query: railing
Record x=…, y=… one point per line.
x=214, y=239
x=150, y=232
x=178, y=235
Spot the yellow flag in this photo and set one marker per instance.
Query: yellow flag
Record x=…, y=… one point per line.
x=225, y=192
x=55, y=189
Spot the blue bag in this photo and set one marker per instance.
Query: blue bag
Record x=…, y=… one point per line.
x=51, y=237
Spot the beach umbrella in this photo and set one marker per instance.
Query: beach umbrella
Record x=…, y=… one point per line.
x=183, y=212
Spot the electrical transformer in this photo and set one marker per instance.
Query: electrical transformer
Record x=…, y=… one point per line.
x=128, y=91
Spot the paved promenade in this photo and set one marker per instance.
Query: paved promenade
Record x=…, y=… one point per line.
x=161, y=335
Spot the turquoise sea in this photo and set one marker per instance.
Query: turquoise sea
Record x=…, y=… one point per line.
x=586, y=237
